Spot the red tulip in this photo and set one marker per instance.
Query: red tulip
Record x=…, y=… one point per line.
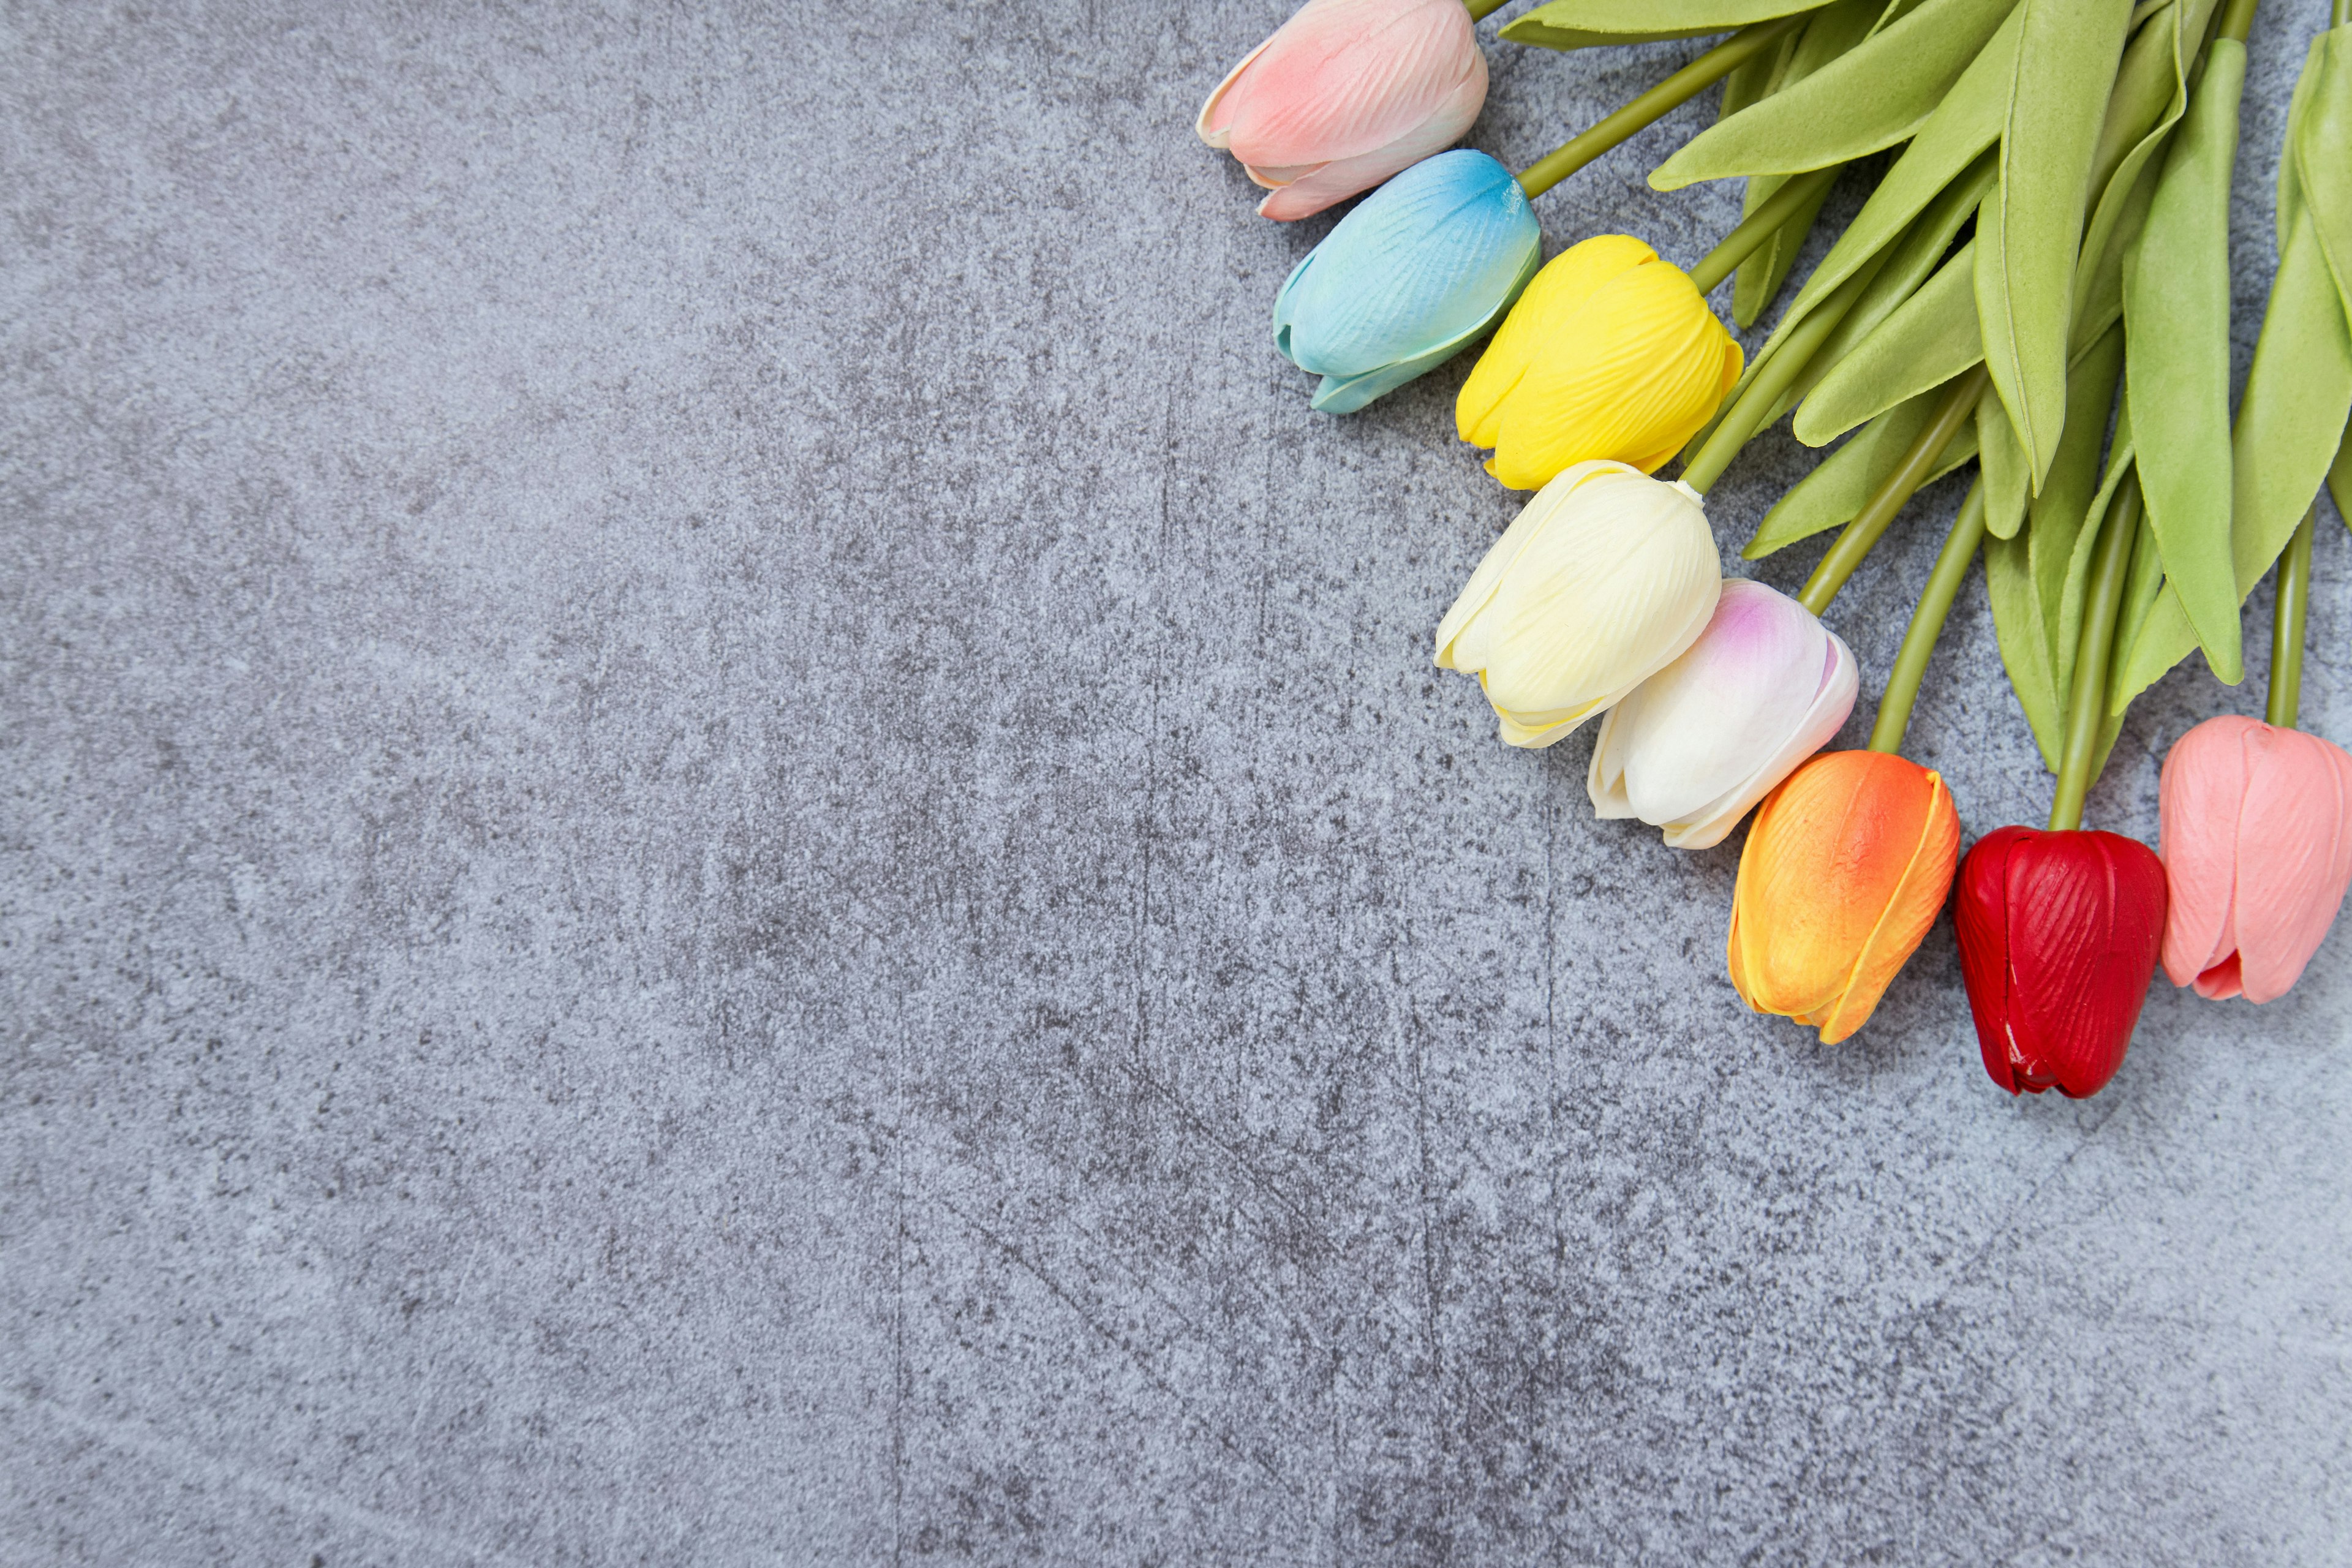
x=2059, y=934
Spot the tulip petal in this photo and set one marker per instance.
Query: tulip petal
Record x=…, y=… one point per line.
x=1845, y=870
x=1213, y=123
x=1343, y=77
x=2295, y=855
x=1425, y=260
x=2059, y=935
x=1832, y=706
x=1300, y=191
x=1644, y=372
x=1337, y=395
x=1711, y=734
x=1547, y=312
x=2202, y=793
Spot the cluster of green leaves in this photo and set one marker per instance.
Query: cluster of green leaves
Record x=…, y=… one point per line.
x=2088, y=144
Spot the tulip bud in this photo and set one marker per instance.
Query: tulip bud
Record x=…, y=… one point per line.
x=2257, y=844
x=1605, y=576
x=1697, y=744
x=1418, y=270
x=1611, y=352
x=1845, y=870
x=1344, y=94
x=2059, y=934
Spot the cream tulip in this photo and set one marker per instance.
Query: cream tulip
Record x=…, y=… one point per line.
x=1604, y=580
x=1704, y=739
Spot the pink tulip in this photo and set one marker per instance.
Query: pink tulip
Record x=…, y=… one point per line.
x=1344, y=94
x=2257, y=837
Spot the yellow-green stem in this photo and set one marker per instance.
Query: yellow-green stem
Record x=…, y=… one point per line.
x=2086, y=708
x=1482, y=9
x=2286, y=624
x=1780, y=373
x=1671, y=93
x=2237, y=20
x=1927, y=623
x=1918, y=462
x=1759, y=226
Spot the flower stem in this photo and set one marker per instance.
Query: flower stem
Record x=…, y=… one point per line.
x=2086, y=708
x=1927, y=623
x=2286, y=624
x=1759, y=226
x=2239, y=19
x=1685, y=84
x=1775, y=376
x=1482, y=9
x=1918, y=462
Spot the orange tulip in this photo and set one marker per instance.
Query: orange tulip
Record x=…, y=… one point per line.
x=1845, y=870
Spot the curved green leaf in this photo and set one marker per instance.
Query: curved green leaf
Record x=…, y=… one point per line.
x=2290, y=427
x=1879, y=94
x=2340, y=480
x=2029, y=228
x=1833, y=494
x=2007, y=474
x=2316, y=151
x=1582, y=23
x=1942, y=153
x=1927, y=340
x=2177, y=325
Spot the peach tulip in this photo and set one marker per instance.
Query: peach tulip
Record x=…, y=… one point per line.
x=2257, y=847
x=1845, y=870
x=1344, y=94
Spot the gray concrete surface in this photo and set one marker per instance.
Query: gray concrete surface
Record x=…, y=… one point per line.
x=728, y=841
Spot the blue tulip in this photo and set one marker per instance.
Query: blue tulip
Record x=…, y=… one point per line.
x=1422, y=266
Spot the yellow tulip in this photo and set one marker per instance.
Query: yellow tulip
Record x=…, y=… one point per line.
x=1611, y=353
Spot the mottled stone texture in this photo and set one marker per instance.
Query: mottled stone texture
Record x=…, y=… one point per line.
x=727, y=840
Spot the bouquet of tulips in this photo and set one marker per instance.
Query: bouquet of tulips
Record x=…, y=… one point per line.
x=2038, y=280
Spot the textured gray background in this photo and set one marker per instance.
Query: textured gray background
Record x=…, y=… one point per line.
x=726, y=839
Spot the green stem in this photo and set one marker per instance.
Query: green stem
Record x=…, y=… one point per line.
x=2237, y=20
x=1759, y=225
x=2339, y=13
x=2086, y=708
x=1482, y=9
x=1918, y=462
x=1927, y=623
x=1778, y=374
x=1685, y=84
x=2286, y=624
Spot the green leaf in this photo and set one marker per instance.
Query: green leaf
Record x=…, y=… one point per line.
x=2151, y=94
x=2065, y=500
x=2316, y=144
x=1913, y=260
x=2026, y=640
x=2177, y=326
x=2142, y=590
x=2290, y=429
x=1968, y=122
x=2075, y=589
x=2007, y=474
x=2339, y=479
x=1581, y=24
x=1879, y=94
x=1926, y=341
x=1831, y=31
x=2028, y=229
x=1833, y=494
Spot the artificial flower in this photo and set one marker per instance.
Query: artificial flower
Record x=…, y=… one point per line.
x=1705, y=738
x=1845, y=870
x=2257, y=848
x=1604, y=579
x=1611, y=352
x=1344, y=94
x=1418, y=270
x=2059, y=933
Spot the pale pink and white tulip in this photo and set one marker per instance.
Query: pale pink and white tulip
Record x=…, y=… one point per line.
x=1699, y=743
x=2257, y=848
x=1344, y=94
